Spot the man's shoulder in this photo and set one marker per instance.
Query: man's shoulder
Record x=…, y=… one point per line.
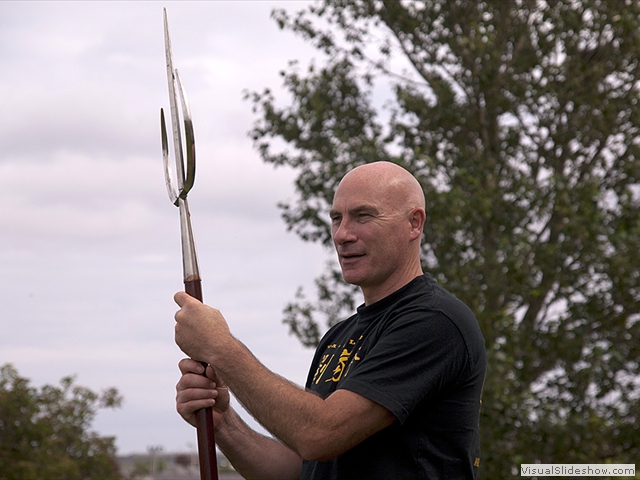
x=425, y=295
x=442, y=310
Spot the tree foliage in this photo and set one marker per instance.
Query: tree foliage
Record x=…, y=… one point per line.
x=521, y=119
x=44, y=432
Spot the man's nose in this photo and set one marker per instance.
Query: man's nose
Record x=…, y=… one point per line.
x=343, y=233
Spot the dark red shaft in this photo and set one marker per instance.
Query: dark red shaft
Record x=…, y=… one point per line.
x=204, y=417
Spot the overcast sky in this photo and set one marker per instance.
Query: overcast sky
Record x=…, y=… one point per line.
x=89, y=242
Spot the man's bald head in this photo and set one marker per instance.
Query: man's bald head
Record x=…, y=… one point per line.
x=387, y=180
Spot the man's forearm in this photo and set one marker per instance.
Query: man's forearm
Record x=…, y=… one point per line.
x=253, y=455
x=283, y=408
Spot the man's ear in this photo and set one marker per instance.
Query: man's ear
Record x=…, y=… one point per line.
x=417, y=217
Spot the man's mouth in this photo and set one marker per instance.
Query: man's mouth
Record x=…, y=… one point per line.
x=347, y=257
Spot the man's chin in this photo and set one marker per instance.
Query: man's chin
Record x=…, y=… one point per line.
x=351, y=278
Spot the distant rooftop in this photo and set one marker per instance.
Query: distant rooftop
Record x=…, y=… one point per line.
x=158, y=465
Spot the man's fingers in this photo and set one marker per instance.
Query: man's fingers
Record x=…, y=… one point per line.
x=188, y=409
x=193, y=381
x=187, y=365
x=181, y=298
x=190, y=401
x=190, y=395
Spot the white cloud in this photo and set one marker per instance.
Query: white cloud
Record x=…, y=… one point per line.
x=89, y=243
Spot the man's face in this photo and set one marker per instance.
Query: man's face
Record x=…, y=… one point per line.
x=370, y=232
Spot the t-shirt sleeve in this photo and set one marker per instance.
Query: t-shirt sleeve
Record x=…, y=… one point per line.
x=416, y=357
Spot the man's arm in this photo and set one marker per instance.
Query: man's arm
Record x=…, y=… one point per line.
x=253, y=455
x=314, y=428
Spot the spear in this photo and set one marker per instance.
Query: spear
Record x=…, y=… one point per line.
x=178, y=196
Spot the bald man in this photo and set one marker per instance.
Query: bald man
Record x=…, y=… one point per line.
x=393, y=392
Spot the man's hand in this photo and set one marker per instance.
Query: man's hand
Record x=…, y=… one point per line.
x=199, y=329
x=195, y=391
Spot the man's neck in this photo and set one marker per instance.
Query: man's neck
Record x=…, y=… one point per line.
x=373, y=295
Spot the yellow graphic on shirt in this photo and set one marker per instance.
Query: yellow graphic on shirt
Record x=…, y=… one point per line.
x=341, y=368
x=324, y=363
x=356, y=358
x=342, y=362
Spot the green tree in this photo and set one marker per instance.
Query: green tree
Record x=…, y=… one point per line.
x=44, y=432
x=521, y=120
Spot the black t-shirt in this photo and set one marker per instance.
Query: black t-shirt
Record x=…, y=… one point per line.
x=418, y=352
